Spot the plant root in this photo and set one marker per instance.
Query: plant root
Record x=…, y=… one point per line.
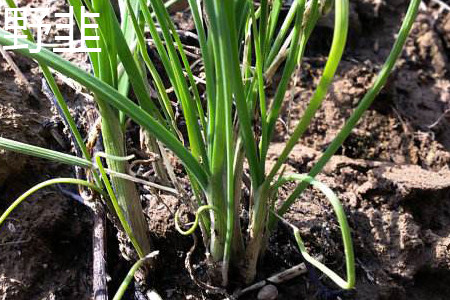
x=209, y=288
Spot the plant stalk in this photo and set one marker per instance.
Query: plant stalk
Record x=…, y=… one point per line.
x=125, y=191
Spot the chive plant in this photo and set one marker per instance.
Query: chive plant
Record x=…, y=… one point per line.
x=105, y=68
x=229, y=127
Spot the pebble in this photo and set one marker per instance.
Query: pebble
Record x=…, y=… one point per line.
x=268, y=292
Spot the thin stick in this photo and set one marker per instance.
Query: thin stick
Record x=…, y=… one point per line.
x=171, y=173
x=100, y=287
x=19, y=73
x=46, y=90
x=281, y=277
x=16, y=242
x=78, y=89
x=142, y=181
x=441, y=117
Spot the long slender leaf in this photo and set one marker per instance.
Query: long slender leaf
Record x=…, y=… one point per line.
x=165, y=101
x=364, y=104
x=172, y=66
x=54, y=87
x=117, y=100
x=42, y=185
x=337, y=49
x=343, y=224
x=27, y=149
x=282, y=86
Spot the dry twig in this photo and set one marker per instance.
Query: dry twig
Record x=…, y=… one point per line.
x=19, y=73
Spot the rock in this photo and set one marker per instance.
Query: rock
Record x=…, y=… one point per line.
x=268, y=292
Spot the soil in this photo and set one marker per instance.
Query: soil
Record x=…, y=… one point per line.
x=392, y=175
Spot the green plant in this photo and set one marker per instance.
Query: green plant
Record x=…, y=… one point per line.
x=239, y=52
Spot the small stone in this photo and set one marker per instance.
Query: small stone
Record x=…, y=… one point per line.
x=268, y=292
x=11, y=227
